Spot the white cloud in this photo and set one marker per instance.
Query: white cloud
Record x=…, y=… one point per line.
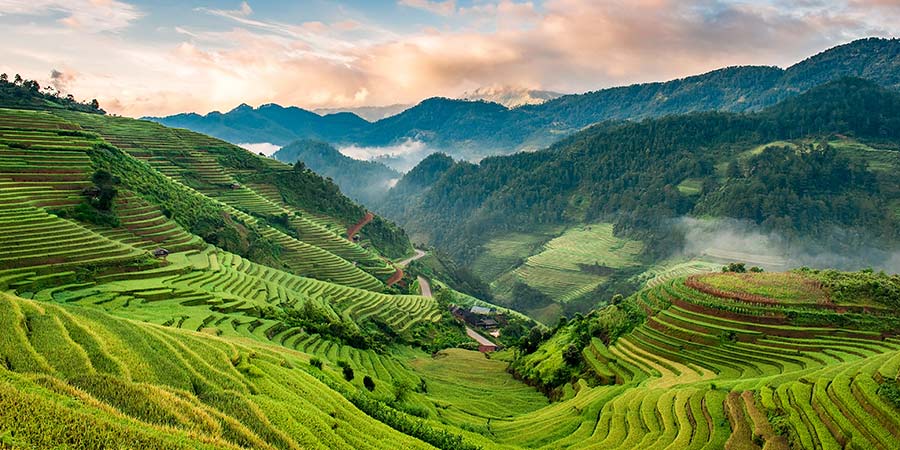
x=84, y=15
x=265, y=148
x=443, y=8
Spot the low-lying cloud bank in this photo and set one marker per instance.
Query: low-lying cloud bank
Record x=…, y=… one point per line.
x=401, y=157
x=743, y=241
x=265, y=148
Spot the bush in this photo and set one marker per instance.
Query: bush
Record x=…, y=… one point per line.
x=348, y=373
x=369, y=383
x=316, y=362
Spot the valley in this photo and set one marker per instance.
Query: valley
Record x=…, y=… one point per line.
x=701, y=274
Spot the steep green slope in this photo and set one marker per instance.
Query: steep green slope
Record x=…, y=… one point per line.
x=630, y=174
x=691, y=365
x=78, y=378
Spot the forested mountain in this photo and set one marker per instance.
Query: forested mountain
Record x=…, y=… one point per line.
x=364, y=181
x=269, y=123
x=634, y=174
x=475, y=129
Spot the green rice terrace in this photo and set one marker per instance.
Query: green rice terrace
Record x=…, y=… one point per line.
x=163, y=289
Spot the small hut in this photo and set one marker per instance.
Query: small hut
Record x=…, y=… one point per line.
x=160, y=253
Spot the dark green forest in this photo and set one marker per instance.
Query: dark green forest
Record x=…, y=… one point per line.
x=629, y=174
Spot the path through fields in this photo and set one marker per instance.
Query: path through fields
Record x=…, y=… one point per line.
x=424, y=286
x=478, y=337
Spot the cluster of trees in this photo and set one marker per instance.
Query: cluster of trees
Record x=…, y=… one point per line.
x=28, y=94
x=629, y=174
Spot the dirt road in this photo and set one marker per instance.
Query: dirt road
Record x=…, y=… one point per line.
x=425, y=287
x=419, y=254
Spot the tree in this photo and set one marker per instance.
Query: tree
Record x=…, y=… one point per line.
x=369, y=383
x=348, y=373
x=572, y=355
x=4, y=78
x=18, y=80
x=95, y=104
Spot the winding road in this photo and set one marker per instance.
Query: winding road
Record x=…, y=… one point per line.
x=419, y=254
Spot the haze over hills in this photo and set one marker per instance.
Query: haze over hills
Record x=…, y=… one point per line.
x=370, y=113
x=785, y=171
x=364, y=181
x=472, y=130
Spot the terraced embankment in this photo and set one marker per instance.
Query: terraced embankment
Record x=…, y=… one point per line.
x=705, y=371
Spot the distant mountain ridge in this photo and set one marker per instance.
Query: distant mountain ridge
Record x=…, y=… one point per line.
x=474, y=129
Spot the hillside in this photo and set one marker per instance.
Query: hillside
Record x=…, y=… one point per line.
x=773, y=360
x=364, y=181
x=788, y=170
x=473, y=130
x=262, y=325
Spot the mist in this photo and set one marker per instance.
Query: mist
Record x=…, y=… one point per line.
x=265, y=148
x=401, y=157
x=727, y=240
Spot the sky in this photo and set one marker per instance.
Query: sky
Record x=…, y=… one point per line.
x=168, y=56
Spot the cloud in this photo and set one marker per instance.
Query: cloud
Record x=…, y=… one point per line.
x=443, y=8
x=266, y=148
x=401, y=157
x=732, y=240
x=61, y=80
x=85, y=15
x=240, y=55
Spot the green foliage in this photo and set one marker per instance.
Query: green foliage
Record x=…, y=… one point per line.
x=863, y=287
x=369, y=383
x=192, y=210
x=316, y=362
x=735, y=268
x=630, y=173
x=347, y=371
x=27, y=94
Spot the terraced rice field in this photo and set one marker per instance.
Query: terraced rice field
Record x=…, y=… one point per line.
x=193, y=160
x=574, y=263
x=707, y=372
x=82, y=379
x=469, y=389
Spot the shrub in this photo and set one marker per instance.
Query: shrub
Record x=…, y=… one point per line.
x=369, y=383
x=316, y=362
x=348, y=373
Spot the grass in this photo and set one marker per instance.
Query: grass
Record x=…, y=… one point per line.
x=505, y=252
x=472, y=390
x=573, y=264
x=783, y=286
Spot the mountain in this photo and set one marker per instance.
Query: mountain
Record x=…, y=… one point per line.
x=476, y=129
x=268, y=123
x=510, y=97
x=818, y=166
x=370, y=113
x=364, y=181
